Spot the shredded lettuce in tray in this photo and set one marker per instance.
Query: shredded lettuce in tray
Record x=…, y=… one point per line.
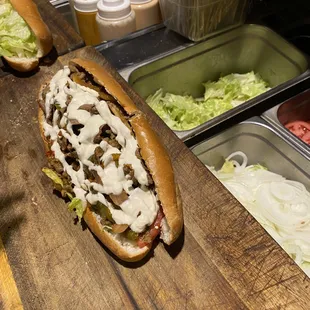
x=16, y=38
x=186, y=112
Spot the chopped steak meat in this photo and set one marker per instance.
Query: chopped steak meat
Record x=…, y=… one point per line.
x=119, y=199
x=113, y=143
x=101, y=134
x=87, y=173
x=105, y=133
x=86, y=107
x=89, y=108
x=63, y=143
x=55, y=164
x=76, y=128
x=98, y=154
x=69, y=98
x=97, y=177
x=128, y=170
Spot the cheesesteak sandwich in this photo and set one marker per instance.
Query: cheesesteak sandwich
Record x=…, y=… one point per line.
x=104, y=156
x=24, y=36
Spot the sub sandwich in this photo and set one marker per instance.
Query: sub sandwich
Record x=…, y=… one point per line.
x=104, y=157
x=24, y=36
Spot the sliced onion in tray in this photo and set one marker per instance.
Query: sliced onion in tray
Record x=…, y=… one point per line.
x=243, y=193
x=282, y=212
x=282, y=191
x=236, y=164
x=281, y=206
x=298, y=247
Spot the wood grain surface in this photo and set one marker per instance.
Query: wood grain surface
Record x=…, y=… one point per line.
x=224, y=259
x=64, y=36
x=9, y=296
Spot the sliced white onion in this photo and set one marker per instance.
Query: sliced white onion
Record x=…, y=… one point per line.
x=281, y=206
x=282, y=191
x=241, y=154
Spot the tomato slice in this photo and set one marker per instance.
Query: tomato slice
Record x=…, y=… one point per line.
x=306, y=137
x=50, y=154
x=300, y=129
x=153, y=231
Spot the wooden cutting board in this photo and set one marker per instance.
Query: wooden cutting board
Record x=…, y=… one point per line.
x=224, y=259
x=64, y=36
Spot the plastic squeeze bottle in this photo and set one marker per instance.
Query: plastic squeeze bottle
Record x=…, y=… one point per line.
x=115, y=19
x=86, y=11
x=147, y=13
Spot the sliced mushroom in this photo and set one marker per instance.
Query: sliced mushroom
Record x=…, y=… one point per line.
x=94, y=110
x=98, y=154
x=119, y=228
x=119, y=199
x=86, y=107
x=74, y=122
x=102, y=133
x=93, y=176
x=128, y=170
x=113, y=143
x=68, y=100
x=63, y=143
x=87, y=173
x=117, y=112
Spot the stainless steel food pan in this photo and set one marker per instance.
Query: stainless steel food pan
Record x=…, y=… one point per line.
x=262, y=144
x=295, y=108
x=246, y=48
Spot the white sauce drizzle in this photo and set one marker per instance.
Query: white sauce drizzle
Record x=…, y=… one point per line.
x=141, y=207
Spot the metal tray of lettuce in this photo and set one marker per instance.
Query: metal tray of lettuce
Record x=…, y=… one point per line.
x=243, y=49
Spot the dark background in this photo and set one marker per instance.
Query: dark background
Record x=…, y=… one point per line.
x=290, y=18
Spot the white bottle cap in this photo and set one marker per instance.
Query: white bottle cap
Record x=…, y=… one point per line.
x=139, y=1
x=86, y=5
x=113, y=9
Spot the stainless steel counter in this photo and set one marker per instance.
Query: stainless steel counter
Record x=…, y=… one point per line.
x=142, y=46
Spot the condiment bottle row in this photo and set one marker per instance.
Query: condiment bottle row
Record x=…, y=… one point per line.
x=104, y=20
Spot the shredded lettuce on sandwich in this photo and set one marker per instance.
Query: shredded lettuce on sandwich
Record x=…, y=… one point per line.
x=186, y=112
x=16, y=38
